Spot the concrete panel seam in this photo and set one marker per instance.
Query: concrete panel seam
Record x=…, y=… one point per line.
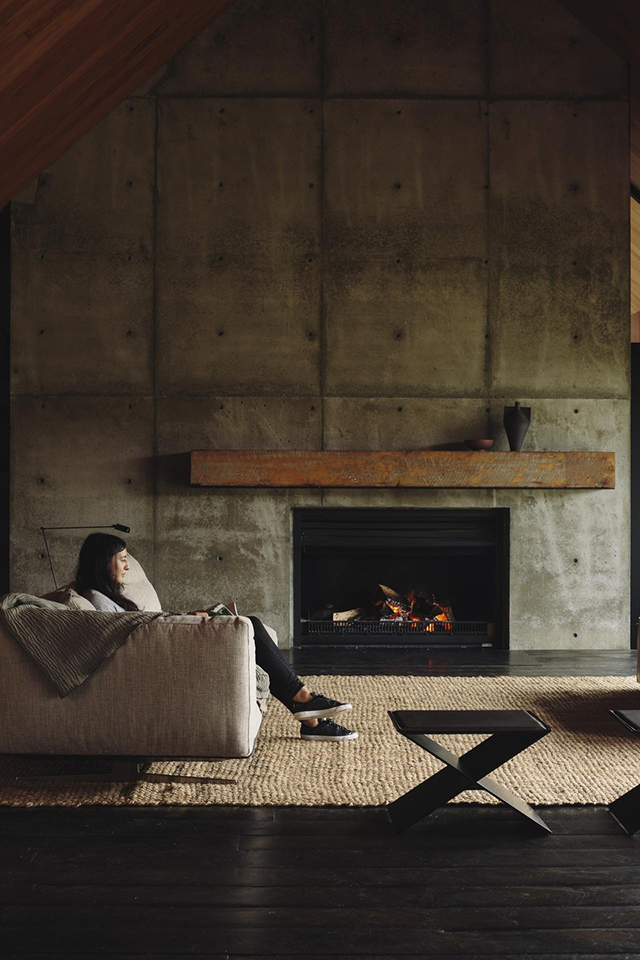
x=386, y=95
x=322, y=358
x=154, y=311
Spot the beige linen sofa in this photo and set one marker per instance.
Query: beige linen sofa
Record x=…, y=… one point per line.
x=178, y=687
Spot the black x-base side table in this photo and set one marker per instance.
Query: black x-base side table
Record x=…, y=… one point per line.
x=511, y=732
x=626, y=809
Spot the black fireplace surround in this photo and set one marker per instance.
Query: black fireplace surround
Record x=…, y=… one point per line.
x=458, y=556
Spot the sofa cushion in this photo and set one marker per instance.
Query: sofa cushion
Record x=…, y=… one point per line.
x=136, y=587
x=70, y=597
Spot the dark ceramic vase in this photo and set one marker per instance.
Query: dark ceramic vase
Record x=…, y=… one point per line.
x=517, y=421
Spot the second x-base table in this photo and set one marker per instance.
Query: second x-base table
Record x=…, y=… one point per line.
x=626, y=809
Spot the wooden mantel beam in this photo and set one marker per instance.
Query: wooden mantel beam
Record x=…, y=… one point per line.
x=65, y=64
x=402, y=468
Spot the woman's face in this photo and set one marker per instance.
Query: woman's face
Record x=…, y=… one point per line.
x=118, y=565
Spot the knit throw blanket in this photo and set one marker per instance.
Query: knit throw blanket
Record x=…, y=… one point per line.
x=67, y=645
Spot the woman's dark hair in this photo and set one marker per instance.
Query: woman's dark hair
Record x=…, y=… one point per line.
x=93, y=568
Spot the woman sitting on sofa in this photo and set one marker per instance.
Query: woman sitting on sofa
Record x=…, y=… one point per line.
x=101, y=568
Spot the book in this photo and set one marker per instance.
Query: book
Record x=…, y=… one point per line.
x=223, y=610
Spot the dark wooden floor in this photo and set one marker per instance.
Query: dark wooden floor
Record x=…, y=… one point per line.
x=216, y=882
x=462, y=662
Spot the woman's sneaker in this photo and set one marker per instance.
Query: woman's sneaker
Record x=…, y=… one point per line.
x=318, y=707
x=326, y=730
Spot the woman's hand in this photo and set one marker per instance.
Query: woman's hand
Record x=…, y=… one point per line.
x=198, y=613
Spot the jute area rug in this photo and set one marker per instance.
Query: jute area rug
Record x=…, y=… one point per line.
x=589, y=758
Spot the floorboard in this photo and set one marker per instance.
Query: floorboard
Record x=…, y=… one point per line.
x=295, y=882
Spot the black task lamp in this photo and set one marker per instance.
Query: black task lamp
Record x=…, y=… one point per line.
x=107, y=526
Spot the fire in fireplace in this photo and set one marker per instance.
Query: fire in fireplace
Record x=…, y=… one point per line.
x=422, y=576
x=411, y=611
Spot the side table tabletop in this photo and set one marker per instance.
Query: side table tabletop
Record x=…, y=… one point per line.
x=626, y=809
x=511, y=732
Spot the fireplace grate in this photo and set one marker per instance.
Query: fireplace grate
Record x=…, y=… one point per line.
x=471, y=628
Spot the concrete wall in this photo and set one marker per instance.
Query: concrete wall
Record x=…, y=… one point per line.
x=363, y=224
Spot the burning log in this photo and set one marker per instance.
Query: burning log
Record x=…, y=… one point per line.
x=423, y=607
x=393, y=595
x=447, y=611
x=342, y=615
x=323, y=613
x=418, y=612
x=413, y=607
x=396, y=605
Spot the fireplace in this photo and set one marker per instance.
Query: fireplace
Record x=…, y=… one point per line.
x=401, y=577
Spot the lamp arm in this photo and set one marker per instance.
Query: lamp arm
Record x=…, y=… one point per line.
x=46, y=543
x=92, y=526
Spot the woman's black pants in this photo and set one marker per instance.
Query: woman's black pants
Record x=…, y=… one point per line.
x=283, y=682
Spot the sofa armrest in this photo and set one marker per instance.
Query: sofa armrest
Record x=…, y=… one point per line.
x=190, y=618
x=174, y=688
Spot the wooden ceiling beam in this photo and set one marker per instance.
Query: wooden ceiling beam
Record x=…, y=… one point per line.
x=65, y=64
x=617, y=22
x=634, y=127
